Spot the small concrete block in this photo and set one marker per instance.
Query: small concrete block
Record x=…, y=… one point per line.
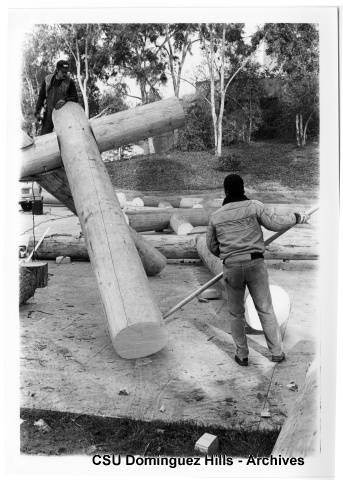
x=207, y=444
x=63, y=259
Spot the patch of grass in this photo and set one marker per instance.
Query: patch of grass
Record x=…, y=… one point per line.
x=77, y=434
x=260, y=163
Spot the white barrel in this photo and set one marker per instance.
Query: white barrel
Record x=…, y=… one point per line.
x=281, y=304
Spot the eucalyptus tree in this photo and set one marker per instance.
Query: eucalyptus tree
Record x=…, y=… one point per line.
x=226, y=54
x=134, y=51
x=47, y=43
x=295, y=50
x=81, y=42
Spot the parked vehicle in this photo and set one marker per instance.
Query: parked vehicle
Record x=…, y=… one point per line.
x=30, y=192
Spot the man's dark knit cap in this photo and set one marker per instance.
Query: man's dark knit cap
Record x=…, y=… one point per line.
x=233, y=185
x=62, y=64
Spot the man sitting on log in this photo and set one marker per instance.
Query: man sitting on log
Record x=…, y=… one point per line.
x=56, y=89
x=234, y=234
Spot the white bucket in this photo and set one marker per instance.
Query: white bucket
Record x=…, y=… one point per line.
x=281, y=304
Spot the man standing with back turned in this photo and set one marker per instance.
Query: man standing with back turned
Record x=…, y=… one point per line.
x=234, y=234
x=56, y=89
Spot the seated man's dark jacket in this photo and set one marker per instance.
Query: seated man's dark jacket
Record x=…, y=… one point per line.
x=50, y=93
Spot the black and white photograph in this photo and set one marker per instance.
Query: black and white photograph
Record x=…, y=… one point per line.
x=175, y=177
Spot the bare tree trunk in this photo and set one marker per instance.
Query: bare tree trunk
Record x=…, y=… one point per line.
x=301, y=129
x=250, y=121
x=151, y=145
x=222, y=96
x=305, y=129
x=217, y=120
x=82, y=84
x=86, y=77
x=297, y=128
x=30, y=90
x=212, y=86
x=149, y=142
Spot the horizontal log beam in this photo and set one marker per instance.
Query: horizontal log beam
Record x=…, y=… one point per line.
x=159, y=219
x=180, y=225
x=171, y=246
x=110, y=131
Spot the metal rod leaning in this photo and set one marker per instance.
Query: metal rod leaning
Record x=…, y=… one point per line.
x=35, y=248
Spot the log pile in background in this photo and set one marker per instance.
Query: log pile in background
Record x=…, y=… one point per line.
x=171, y=246
x=56, y=183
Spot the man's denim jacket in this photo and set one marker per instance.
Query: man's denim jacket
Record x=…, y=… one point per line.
x=235, y=228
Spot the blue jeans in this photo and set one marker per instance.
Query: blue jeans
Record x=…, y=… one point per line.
x=254, y=275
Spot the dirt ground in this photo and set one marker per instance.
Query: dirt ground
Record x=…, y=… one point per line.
x=72, y=378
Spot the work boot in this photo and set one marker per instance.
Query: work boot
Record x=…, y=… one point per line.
x=242, y=363
x=278, y=358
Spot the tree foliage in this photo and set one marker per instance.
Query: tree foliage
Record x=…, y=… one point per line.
x=226, y=55
x=232, y=103
x=48, y=43
x=295, y=50
x=134, y=51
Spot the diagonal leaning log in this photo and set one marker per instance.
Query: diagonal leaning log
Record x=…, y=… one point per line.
x=134, y=320
x=41, y=159
x=56, y=183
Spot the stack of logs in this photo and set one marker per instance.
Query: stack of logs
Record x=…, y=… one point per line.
x=178, y=233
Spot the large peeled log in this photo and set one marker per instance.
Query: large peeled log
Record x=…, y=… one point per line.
x=134, y=320
x=110, y=131
x=169, y=245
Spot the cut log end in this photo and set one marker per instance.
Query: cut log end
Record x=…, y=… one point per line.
x=39, y=270
x=27, y=285
x=140, y=340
